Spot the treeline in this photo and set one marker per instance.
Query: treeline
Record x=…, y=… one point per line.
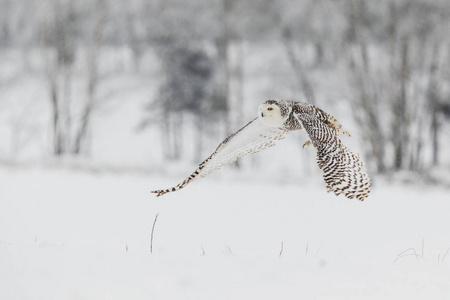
x=395, y=55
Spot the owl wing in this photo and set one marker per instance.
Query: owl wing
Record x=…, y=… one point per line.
x=252, y=138
x=343, y=171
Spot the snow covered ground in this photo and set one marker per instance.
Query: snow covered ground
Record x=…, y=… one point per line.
x=81, y=229
x=85, y=234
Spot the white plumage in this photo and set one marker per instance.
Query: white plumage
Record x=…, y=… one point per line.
x=252, y=138
x=343, y=171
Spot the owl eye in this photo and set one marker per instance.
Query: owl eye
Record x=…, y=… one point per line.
x=270, y=108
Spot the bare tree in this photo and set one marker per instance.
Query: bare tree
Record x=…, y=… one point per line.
x=305, y=85
x=93, y=77
x=60, y=40
x=398, y=89
x=367, y=108
x=59, y=48
x=400, y=108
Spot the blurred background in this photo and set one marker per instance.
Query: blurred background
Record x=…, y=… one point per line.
x=103, y=101
x=153, y=85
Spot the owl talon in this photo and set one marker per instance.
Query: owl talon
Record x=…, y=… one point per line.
x=307, y=144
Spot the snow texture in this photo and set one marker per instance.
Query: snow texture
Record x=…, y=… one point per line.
x=68, y=234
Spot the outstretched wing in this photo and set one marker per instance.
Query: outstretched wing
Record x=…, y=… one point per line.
x=343, y=171
x=253, y=137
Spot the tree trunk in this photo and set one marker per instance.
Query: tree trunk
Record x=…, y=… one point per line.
x=223, y=44
x=304, y=84
x=93, y=79
x=400, y=130
x=57, y=139
x=367, y=109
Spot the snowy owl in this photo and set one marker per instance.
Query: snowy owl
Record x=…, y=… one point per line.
x=343, y=171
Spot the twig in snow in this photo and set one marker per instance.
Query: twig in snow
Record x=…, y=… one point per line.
x=153, y=230
x=281, y=251
x=406, y=251
x=203, y=250
x=423, y=242
x=445, y=254
x=318, y=249
x=403, y=254
x=306, y=250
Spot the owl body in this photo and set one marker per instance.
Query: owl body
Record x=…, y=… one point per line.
x=343, y=171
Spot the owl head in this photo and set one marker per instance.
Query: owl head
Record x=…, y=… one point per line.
x=272, y=114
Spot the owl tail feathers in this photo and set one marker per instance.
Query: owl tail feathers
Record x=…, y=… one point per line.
x=181, y=184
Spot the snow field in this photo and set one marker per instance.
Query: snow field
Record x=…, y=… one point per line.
x=86, y=235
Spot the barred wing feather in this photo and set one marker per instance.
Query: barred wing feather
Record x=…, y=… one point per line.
x=343, y=171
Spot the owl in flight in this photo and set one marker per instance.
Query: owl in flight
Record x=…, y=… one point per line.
x=343, y=171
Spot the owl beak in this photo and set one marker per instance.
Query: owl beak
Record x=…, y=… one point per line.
x=262, y=114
